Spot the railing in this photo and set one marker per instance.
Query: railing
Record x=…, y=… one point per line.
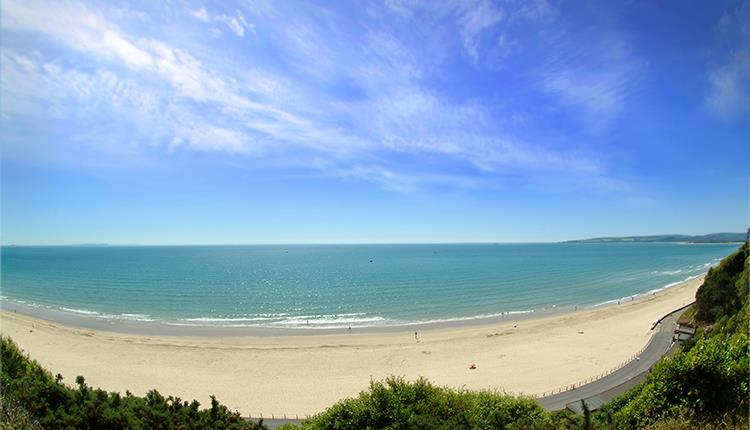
x=674, y=311
x=559, y=390
x=613, y=369
x=277, y=417
x=604, y=374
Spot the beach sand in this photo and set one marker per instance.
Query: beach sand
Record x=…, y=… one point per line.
x=306, y=374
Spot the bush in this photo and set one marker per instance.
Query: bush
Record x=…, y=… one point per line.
x=724, y=290
x=706, y=384
x=14, y=417
x=398, y=404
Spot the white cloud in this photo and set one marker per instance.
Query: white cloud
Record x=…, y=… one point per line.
x=406, y=117
x=399, y=180
x=236, y=22
x=404, y=8
x=205, y=137
x=536, y=10
x=730, y=86
x=200, y=14
x=194, y=100
x=472, y=18
x=476, y=19
x=40, y=85
x=506, y=46
x=729, y=82
x=129, y=53
x=187, y=76
x=600, y=85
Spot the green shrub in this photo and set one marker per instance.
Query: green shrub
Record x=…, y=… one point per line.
x=46, y=400
x=398, y=404
x=706, y=384
x=724, y=289
x=14, y=417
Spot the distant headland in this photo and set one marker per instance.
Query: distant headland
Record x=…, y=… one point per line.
x=708, y=238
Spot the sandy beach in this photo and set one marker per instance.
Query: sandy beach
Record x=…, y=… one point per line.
x=305, y=374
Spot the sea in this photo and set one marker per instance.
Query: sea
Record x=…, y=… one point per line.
x=338, y=286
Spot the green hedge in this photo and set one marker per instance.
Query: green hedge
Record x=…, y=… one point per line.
x=705, y=384
x=399, y=404
x=31, y=394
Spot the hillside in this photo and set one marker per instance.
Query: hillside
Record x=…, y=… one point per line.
x=670, y=238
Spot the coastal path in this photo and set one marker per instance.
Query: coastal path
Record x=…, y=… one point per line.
x=602, y=390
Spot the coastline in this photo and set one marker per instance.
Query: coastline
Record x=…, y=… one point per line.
x=152, y=327
x=301, y=374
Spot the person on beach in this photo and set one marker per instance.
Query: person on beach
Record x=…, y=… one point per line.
x=416, y=336
x=350, y=329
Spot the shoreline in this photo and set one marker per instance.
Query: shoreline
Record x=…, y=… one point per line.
x=153, y=327
x=304, y=374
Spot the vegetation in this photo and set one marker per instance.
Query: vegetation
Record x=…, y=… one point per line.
x=14, y=417
x=704, y=386
x=397, y=404
x=721, y=302
x=32, y=398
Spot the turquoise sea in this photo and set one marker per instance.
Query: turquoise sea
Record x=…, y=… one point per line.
x=326, y=286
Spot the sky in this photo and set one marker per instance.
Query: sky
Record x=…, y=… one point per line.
x=245, y=122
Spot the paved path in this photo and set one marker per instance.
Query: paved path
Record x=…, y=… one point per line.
x=602, y=390
x=605, y=389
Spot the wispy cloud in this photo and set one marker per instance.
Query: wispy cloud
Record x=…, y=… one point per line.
x=730, y=86
x=475, y=20
x=595, y=76
x=482, y=26
x=729, y=82
x=400, y=131
x=536, y=10
x=235, y=22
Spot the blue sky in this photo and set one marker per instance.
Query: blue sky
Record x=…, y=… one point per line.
x=397, y=121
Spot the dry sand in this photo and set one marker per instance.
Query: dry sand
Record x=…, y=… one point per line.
x=305, y=374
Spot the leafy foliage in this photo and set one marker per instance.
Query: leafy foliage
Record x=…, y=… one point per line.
x=706, y=385
x=398, y=404
x=14, y=417
x=725, y=289
x=45, y=400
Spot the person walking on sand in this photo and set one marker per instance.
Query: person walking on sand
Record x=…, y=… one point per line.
x=416, y=336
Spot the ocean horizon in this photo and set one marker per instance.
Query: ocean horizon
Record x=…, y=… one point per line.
x=338, y=286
